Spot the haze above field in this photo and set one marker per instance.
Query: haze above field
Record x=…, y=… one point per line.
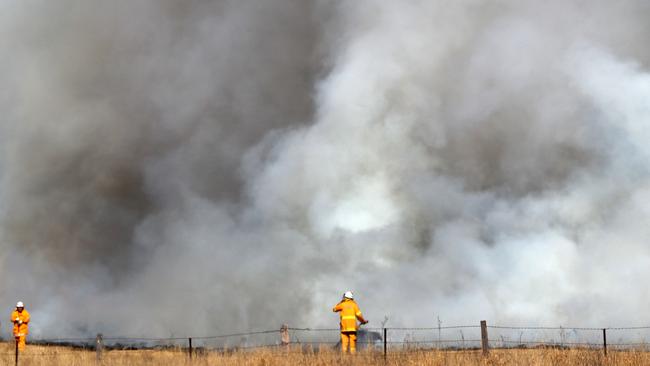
x=199, y=167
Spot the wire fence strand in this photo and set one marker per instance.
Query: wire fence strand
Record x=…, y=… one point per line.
x=452, y=337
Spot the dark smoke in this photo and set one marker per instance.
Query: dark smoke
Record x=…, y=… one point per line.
x=251, y=160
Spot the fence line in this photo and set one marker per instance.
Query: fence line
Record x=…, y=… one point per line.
x=566, y=328
x=242, y=334
x=407, y=337
x=438, y=328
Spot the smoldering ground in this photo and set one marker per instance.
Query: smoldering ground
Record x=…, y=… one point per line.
x=205, y=166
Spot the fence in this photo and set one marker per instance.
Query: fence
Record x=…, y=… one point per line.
x=480, y=337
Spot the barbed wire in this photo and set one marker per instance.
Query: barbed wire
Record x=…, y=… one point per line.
x=567, y=328
x=129, y=342
x=317, y=329
x=186, y=338
x=436, y=328
x=544, y=328
x=242, y=334
x=238, y=334
x=547, y=343
x=144, y=339
x=60, y=340
x=569, y=343
x=433, y=341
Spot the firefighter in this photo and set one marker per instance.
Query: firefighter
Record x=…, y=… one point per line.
x=20, y=319
x=349, y=313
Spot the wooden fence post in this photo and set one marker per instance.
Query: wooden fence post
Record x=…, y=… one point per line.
x=99, y=346
x=284, y=335
x=16, y=338
x=605, y=341
x=385, y=343
x=484, y=338
x=190, y=349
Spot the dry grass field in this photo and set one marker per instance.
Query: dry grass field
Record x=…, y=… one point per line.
x=49, y=355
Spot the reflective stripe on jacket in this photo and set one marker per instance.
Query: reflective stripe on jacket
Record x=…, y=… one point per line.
x=349, y=313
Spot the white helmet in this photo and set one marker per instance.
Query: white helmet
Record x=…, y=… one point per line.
x=348, y=295
x=20, y=304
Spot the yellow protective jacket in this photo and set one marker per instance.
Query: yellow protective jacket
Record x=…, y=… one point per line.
x=21, y=329
x=349, y=312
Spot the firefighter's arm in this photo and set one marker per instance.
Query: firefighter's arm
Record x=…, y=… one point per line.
x=361, y=318
x=337, y=308
x=359, y=315
x=26, y=318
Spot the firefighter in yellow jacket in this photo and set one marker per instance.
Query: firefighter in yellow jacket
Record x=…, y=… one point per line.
x=20, y=318
x=349, y=312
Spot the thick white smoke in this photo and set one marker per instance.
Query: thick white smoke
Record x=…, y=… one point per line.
x=249, y=161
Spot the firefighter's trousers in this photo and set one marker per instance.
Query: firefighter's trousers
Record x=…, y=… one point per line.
x=20, y=338
x=349, y=339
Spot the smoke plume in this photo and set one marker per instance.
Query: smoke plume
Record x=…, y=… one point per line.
x=197, y=167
